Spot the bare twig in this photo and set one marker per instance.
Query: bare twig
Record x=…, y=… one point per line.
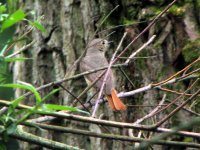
x=145, y=30
x=176, y=99
x=74, y=97
x=10, y=47
x=88, y=88
x=152, y=112
x=177, y=109
x=126, y=76
x=140, y=49
x=179, y=72
x=172, y=91
x=186, y=109
x=147, y=116
x=70, y=78
x=25, y=47
x=145, y=57
x=151, y=86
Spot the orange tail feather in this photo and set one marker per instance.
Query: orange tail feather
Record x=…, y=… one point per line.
x=119, y=105
x=110, y=102
x=114, y=102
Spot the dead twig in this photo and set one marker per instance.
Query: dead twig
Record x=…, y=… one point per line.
x=176, y=99
x=25, y=47
x=177, y=109
x=152, y=112
x=145, y=30
x=140, y=49
x=179, y=72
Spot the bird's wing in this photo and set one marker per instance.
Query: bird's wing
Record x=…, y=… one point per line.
x=87, y=65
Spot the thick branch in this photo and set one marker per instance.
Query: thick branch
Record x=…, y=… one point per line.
x=24, y=136
x=99, y=121
x=113, y=137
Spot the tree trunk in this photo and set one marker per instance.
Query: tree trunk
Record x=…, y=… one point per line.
x=71, y=24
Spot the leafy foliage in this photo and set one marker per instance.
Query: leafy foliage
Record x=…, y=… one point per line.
x=50, y=107
x=10, y=119
x=9, y=17
x=38, y=25
x=13, y=19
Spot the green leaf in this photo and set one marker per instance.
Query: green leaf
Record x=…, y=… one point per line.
x=2, y=8
x=34, y=90
x=17, y=101
x=3, y=50
x=3, y=69
x=26, y=86
x=58, y=107
x=50, y=94
x=50, y=107
x=16, y=59
x=38, y=25
x=13, y=19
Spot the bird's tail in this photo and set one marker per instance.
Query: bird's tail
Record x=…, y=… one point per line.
x=114, y=102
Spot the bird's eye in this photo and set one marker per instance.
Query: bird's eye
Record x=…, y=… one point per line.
x=103, y=42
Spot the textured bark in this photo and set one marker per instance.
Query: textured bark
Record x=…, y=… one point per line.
x=70, y=24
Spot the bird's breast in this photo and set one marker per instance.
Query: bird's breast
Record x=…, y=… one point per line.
x=97, y=61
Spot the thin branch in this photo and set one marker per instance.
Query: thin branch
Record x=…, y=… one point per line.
x=88, y=88
x=140, y=49
x=152, y=112
x=26, y=33
x=126, y=76
x=147, y=116
x=177, y=109
x=71, y=78
x=25, y=47
x=124, y=25
x=145, y=30
x=151, y=86
x=106, y=17
x=179, y=72
x=144, y=57
x=145, y=105
x=176, y=99
x=76, y=98
x=131, y=93
x=173, y=91
x=187, y=110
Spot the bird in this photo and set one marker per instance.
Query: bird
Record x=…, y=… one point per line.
x=95, y=58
